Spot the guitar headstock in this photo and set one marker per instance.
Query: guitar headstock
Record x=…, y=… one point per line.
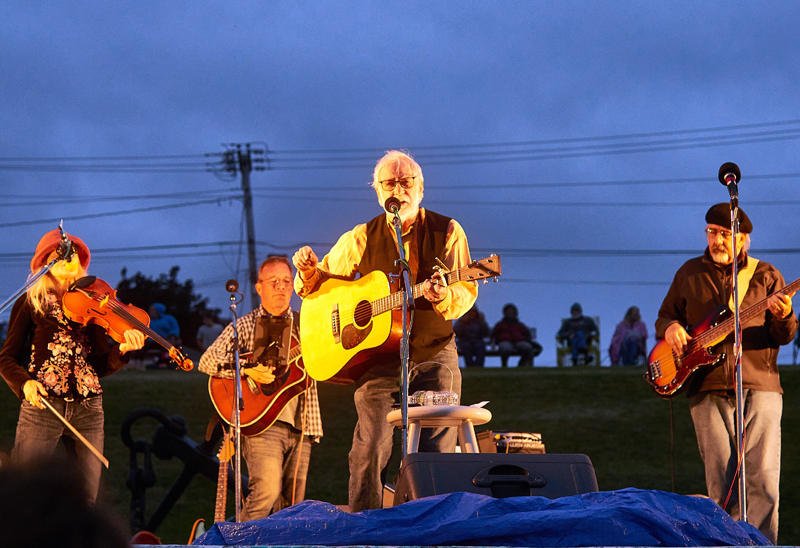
x=226, y=450
x=482, y=269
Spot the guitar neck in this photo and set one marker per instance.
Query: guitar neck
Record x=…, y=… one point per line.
x=222, y=492
x=395, y=300
x=715, y=333
x=294, y=353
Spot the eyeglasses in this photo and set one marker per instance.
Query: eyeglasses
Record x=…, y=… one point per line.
x=389, y=184
x=278, y=282
x=714, y=232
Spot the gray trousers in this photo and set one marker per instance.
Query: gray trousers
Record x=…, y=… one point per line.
x=372, y=439
x=714, y=420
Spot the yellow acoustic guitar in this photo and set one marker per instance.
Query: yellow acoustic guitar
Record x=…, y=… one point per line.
x=346, y=324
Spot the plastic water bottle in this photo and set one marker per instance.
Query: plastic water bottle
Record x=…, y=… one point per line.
x=431, y=397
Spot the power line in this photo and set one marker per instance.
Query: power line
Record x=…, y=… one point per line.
x=468, y=153
x=715, y=140
x=55, y=220
x=325, y=163
x=527, y=203
x=581, y=282
x=551, y=141
x=49, y=200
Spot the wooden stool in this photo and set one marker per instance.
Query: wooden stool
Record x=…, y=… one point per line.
x=433, y=416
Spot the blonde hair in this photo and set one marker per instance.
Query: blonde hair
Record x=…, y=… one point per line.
x=398, y=161
x=38, y=292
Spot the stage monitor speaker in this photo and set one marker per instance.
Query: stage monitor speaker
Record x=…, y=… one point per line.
x=498, y=475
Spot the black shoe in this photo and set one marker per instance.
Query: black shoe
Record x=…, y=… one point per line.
x=589, y=359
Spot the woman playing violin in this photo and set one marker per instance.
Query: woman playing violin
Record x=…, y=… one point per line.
x=48, y=356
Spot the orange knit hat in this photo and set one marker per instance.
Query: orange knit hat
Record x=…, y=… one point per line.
x=49, y=243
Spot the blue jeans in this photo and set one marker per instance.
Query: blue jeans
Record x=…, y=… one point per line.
x=272, y=458
x=714, y=420
x=373, y=439
x=38, y=432
x=578, y=346
x=630, y=351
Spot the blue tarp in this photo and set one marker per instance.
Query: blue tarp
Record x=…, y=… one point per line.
x=629, y=517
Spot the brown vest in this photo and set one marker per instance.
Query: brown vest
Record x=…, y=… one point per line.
x=430, y=333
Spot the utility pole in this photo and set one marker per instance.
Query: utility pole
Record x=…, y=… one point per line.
x=240, y=159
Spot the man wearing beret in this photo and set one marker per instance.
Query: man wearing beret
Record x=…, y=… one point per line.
x=699, y=286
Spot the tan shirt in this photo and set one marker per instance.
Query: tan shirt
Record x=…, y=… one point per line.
x=344, y=257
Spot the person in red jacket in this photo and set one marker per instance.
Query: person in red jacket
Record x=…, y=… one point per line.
x=511, y=336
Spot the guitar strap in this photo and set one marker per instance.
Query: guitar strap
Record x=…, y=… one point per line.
x=413, y=251
x=744, y=277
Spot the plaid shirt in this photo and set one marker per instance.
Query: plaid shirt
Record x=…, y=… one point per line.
x=217, y=360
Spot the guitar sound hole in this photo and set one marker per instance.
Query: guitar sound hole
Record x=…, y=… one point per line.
x=362, y=314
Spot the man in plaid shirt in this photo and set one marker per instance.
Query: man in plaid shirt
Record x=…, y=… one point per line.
x=277, y=458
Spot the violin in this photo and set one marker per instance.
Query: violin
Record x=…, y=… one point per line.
x=91, y=300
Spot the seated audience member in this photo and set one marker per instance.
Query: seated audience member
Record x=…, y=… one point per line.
x=577, y=330
x=511, y=336
x=629, y=340
x=471, y=330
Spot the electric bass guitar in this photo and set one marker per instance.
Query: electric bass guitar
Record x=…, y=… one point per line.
x=668, y=372
x=346, y=324
x=263, y=403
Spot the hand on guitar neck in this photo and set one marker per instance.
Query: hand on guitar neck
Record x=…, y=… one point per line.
x=780, y=305
x=677, y=337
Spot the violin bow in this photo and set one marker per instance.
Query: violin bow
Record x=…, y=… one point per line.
x=91, y=447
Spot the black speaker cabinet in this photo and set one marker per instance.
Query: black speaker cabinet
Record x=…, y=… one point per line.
x=498, y=475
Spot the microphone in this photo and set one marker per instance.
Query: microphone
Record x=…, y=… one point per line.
x=66, y=249
x=392, y=204
x=231, y=286
x=729, y=174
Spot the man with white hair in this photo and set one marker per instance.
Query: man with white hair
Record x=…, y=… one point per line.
x=434, y=361
x=701, y=285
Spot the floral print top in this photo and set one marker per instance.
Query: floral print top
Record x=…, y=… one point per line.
x=66, y=357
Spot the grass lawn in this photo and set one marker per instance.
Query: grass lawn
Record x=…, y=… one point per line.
x=609, y=414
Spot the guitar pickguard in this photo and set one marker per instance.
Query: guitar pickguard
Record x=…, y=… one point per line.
x=352, y=336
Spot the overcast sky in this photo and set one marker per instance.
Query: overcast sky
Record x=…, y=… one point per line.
x=579, y=140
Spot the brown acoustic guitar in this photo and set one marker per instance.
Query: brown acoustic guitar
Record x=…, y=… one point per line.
x=668, y=373
x=345, y=324
x=263, y=403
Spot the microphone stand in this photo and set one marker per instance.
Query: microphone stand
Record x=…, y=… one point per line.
x=737, y=350
x=29, y=283
x=408, y=304
x=65, y=249
x=236, y=419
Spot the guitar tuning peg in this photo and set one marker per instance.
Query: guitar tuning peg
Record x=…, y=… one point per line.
x=485, y=281
x=495, y=280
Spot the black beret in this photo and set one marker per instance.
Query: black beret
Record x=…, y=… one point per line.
x=720, y=214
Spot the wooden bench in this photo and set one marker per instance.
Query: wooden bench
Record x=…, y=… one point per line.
x=493, y=350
